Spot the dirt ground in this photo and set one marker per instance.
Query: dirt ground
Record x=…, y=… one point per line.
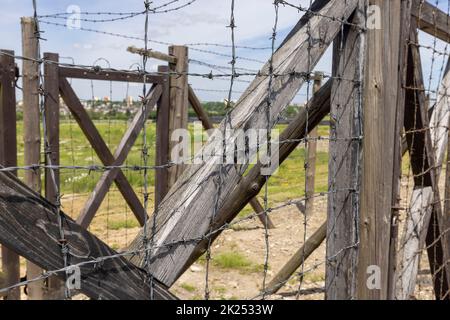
x=247, y=240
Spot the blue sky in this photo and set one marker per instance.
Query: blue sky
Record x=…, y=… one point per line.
x=203, y=21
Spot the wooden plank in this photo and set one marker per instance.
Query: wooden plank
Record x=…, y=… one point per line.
x=150, y=53
x=8, y=157
x=3, y=284
x=208, y=125
x=31, y=129
x=201, y=113
x=100, y=147
x=101, y=189
x=55, y=288
x=432, y=20
x=380, y=119
x=178, y=111
x=29, y=225
x=108, y=75
x=343, y=163
x=283, y=276
x=187, y=210
x=446, y=212
x=400, y=148
x=311, y=154
x=264, y=219
x=162, y=140
x=52, y=124
x=427, y=150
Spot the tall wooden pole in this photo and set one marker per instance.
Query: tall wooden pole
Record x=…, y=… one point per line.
x=8, y=156
x=345, y=151
x=55, y=288
x=399, y=150
x=31, y=130
x=162, y=140
x=179, y=93
x=311, y=154
x=379, y=142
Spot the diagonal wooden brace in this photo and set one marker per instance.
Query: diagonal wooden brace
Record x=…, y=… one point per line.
x=127, y=142
x=427, y=149
x=100, y=147
x=29, y=226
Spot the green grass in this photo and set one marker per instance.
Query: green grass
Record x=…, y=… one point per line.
x=123, y=224
x=235, y=261
x=188, y=287
x=287, y=184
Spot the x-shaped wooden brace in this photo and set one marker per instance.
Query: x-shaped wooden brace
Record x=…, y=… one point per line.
x=105, y=155
x=426, y=162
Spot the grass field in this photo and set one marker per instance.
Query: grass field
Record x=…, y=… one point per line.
x=76, y=150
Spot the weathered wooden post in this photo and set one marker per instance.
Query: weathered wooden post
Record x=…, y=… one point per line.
x=381, y=111
x=162, y=140
x=343, y=163
x=178, y=107
x=311, y=154
x=51, y=86
x=8, y=156
x=31, y=130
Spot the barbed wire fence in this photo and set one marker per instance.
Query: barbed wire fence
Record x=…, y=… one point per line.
x=411, y=177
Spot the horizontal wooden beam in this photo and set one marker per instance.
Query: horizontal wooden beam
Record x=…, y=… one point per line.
x=29, y=226
x=432, y=20
x=153, y=54
x=108, y=75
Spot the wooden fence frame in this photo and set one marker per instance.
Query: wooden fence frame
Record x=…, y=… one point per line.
x=377, y=220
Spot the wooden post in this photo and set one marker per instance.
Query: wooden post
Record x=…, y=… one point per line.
x=400, y=145
x=31, y=130
x=178, y=114
x=380, y=114
x=311, y=154
x=52, y=124
x=55, y=288
x=162, y=140
x=343, y=164
x=446, y=212
x=8, y=157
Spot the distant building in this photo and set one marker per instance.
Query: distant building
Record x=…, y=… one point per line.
x=129, y=101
